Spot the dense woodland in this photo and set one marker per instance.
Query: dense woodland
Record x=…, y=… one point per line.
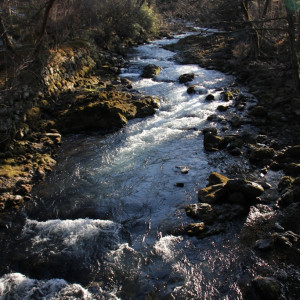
x=267, y=29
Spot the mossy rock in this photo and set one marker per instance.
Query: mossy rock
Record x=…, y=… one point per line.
x=217, y=178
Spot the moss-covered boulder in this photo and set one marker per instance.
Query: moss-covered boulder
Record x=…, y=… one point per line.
x=104, y=111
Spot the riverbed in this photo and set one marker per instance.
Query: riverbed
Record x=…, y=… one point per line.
x=106, y=223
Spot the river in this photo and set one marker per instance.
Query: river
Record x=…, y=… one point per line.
x=104, y=222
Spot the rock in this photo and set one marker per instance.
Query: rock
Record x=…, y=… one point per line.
x=285, y=240
x=266, y=288
x=258, y=154
x=264, y=244
x=210, y=97
x=183, y=169
x=236, y=121
x=235, y=151
x=186, y=77
x=222, y=108
x=179, y=184
x=211, y=194
x=285, y=183
x=196, y=229
x=250, y=190
x=202, y=211
x=150, y=71
x=212, y=142
x=228, y=95
x=191, y=89
x=216, y=178
x=212, y=130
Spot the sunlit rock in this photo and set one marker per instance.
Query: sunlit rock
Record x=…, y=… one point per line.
x=217, y=178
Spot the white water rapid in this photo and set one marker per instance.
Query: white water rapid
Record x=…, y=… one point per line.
x=105, y=219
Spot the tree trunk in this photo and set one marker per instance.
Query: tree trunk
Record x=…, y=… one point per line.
x=293, y=51
x=45, y=21
x=255, y=38
x=5, y=37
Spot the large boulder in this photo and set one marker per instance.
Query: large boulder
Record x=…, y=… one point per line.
x=103, y=111
x=150, y=71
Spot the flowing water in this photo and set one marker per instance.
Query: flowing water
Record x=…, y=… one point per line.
x=105, y=219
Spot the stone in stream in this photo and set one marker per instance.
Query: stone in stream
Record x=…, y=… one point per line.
x=184, y=78
x=210, y=97
x=183, y=169
x=150, y=71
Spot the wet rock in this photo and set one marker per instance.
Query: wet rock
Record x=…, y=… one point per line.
x=236, y=121
x=235, y=151
x=179, y=184
x=211, y=194
x=227, y=95
x=186, y=77
x=196, y=229
x=210, y=97
x=266, y=288
x=258, y=154
x=194, y=89
x=222, y=108
x=217, y=178
x=285, y=183
x=212, y=142
x=201, y=211
x=212, y=130
x=183, y=169
x=291, y=191
x=250, y=190
x=150, y=71
x=191, y=90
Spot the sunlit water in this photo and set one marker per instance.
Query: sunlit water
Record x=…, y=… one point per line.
x=102, y=227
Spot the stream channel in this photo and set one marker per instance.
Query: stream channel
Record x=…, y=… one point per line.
x=104, y=221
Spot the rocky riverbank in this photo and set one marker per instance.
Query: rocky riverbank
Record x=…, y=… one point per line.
x=74, y=89
x=265, y=132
